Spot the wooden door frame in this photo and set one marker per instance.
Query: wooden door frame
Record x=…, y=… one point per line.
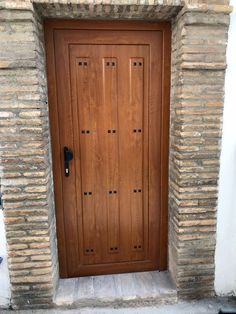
x=164, y=27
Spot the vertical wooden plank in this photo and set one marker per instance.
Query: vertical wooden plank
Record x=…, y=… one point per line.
x=110, y=93
x=86, y=101
x=136, y=102
x=101, y=159
x=125, y=140
x=132, y=133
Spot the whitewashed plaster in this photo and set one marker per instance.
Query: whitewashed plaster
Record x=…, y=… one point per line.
x=225, y=258
x=4, y=275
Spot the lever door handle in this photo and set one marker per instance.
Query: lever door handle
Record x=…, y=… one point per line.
x=68, y=156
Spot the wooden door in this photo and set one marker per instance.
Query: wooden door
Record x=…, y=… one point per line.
x=108, y=100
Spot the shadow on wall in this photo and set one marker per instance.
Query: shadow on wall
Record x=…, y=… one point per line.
x=4, y=275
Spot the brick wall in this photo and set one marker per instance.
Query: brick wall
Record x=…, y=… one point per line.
x=198, y=69
x=26, y=176
x=198, y=65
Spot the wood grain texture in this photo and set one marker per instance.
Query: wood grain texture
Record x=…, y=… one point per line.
x=107, y=97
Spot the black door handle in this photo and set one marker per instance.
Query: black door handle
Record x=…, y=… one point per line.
x=68, y=156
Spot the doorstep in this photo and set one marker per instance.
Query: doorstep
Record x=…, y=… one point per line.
x=119, y=290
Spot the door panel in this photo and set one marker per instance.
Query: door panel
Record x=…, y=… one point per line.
x=109, y=90
x=110, y=101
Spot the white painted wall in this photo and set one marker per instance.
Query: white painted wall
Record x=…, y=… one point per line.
x=225, y=259
x=4, y=275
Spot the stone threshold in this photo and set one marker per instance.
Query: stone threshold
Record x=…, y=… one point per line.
x=119, y=290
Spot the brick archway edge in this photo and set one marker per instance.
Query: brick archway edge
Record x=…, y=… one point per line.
x=199, y=39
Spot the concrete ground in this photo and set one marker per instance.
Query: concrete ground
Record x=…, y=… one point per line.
x=209, y=306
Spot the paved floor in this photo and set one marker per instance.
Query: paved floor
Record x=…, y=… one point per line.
x=209, y=306
x=131, y=289
x=136, y=293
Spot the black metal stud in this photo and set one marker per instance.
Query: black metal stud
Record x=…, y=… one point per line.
x=88, y=193
x=137, y=63
x=136, y=247
x=113, y=192
x=85, y=131
x=89, y=250
x=83, y=63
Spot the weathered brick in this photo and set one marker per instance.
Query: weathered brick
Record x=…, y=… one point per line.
x=196, y=106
